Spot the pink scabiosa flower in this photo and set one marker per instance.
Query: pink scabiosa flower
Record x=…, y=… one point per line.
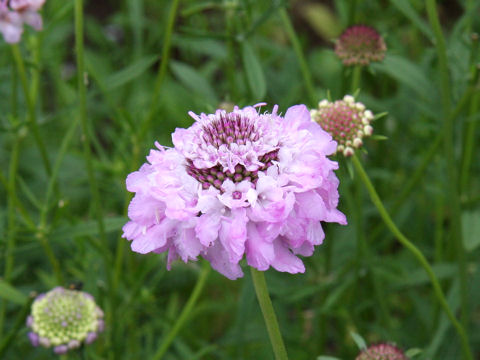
x=237, y=184
x=360, y=45
x=382, y=352
x=28, y=10
x=64, y=319
x=11, y=23
x=346, y=120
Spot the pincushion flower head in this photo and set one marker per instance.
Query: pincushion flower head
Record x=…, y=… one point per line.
x=360, y=45
x=346, y=120
x=15, y=13
x=237, y=184
x=382, y=352
x=64, y=319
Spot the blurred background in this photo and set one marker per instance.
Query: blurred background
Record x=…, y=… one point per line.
x=243, y=52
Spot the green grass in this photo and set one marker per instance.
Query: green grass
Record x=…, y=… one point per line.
x=146, y=63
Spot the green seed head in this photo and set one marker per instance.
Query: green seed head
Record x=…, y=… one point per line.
x=64, y=319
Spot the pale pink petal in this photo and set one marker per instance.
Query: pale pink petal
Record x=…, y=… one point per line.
x=285, y=261
x=260, y=253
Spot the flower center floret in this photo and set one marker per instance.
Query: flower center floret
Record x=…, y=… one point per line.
x=64, y=318
x=237, y=145
x=346, y=120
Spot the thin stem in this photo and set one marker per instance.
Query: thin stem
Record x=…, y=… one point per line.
x=162, y=70
x=442, y=55
x=32, y=116
x=230, y=60
x=452, y=190
x=83, y=117
x=469, y=4
x=11, y=221
x=356, y=77
x=352, y=12
x=269, y=316
x=415, y=252
x=186, y=312
x=469, y=143
x=307, y=76
x=469, y=136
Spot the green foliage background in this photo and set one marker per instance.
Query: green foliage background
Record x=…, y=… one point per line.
x=239, y=51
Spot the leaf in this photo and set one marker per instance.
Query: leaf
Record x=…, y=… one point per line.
x=362, y=345
x=406, y=9
x=130, y=72
x=87, y=228
x=471, y=229
x=380, y=115
x=322, y=20
x=193, y=80
x=254, y=72
x=8, y=292
x=407, y=73
x=379, y=137
x=419, y=276
x=323, y=357
x=413, y=352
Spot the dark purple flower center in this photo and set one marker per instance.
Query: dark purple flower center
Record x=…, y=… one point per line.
x=216, y=175
x=230, y=128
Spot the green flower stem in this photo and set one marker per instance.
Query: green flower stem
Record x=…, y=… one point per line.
x=452, y=191
x=415, y=252
x=469, y=136
x=352, y=12
x=82, y=108
x=307, y=76
x=230, y=20
x=11, y=221
x=162, y=70
x=269, y=314
x=356, y=77
x=469, y=143
x=186, y=312
x=32, y=116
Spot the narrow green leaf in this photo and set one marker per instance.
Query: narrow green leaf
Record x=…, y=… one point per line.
x=471, y=229
x=410, y=353
x=406, y=8
x=362, y=345
x=8, y=292
x=323, y=357
x=193, y=80
x=131, y=72
x=407, y=73
x=87, y=228
x=380, y=115
x=254, y=72
x=379, y=137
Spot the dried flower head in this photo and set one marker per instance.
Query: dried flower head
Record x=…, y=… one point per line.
x=360, y=45
x=15, y=13
x=64, y=319
x=237, y=183
x=346, y=120
x=382, y=352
